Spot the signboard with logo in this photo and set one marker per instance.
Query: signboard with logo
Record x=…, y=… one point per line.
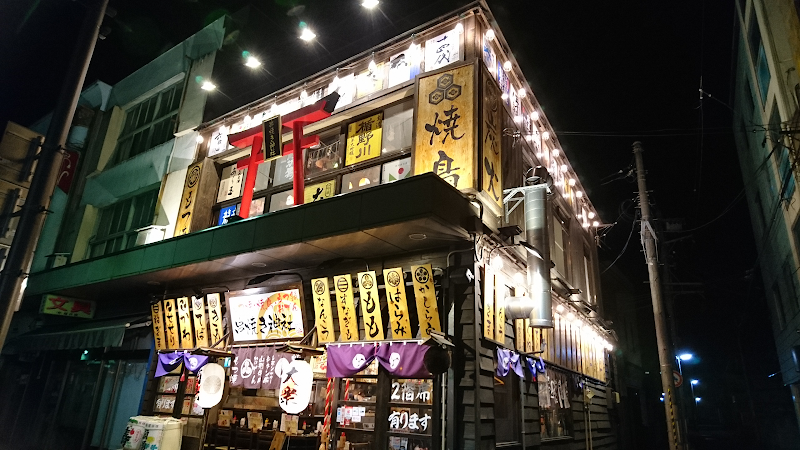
x=322, y=310
x=198, y=198
x=370, y=305
x=444, y=135
x=425, y=294
x=58, y=305
x=272, y=138
x=348, y=319
x=264, y=315
x=398, y=305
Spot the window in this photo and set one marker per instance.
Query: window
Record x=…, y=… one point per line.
x=777, y=299
x=507, y=408
x=397, y=125
x=762, y=73
x=587, y=276
x=118, y=223
x=555, y=395
x=781, y=154
x=790, y=281
x=149, y=123
x=560, y=241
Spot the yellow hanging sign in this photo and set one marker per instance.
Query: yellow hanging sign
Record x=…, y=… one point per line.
x=488, y=303
x=500, y=316
x=364, y=139
x=427, y=305
x=348, y=322
x=322, y=310
x=398, y=306
x=528, y=336
x=519, y=335
x=171, y=324
x=444, y=141
x=158, y=325
x=185, y=323
x=215, y=320
x=199, y=319
x=370, y=306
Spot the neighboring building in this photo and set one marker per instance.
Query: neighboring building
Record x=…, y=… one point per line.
x=766, y=120
x=408, y=150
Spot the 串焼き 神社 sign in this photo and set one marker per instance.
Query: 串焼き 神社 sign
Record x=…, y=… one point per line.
x=269, y=315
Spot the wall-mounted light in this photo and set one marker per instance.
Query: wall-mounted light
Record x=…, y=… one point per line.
x=370, y=4
x=572, y=181
x=591, y=215
x=521, y=93
x=208, y=86
x=579, y=194
x=306, y=34
x=489, y=34
x=518, y=118
x=535, y=115
x=199, y=139
x=252, y=62
x=545, y=135
x=504, y=96
x=556, y=152
x=507, y=66
x=459, y=28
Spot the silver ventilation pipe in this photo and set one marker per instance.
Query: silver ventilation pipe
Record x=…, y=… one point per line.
x=537, y=234
x=538, y=305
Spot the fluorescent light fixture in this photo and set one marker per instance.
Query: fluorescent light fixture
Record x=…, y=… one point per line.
x=369, y=4
x=208, y=86
x=252, y=62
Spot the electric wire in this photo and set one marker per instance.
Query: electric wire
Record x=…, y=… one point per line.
x=730, y=206
x=625, y=247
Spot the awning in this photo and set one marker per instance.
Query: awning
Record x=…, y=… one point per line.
x=96, y=334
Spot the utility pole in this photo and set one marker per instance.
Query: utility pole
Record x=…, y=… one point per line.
x=33, y=212
x=665, y=356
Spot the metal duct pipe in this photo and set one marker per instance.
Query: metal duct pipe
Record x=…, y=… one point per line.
x=536, y=233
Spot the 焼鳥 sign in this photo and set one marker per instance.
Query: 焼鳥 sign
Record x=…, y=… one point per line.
x=268, y=315
x=322, y=310
x=214, y=319
x=427, y=307
x=185, y=323
x=370, y=305
x=364, y=139
x=199, y=319
x=272, y=138
x=398, y=306
x=189, y=198
x=58, y=305
x=171, y=324
x=158, y=325
x=348, y=322
x=491, y=132
x=444, y=141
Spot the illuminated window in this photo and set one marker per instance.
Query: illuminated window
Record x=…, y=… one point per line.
x=361, y=179
x=149, y=123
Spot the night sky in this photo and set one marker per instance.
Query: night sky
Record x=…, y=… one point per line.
x=606, y=73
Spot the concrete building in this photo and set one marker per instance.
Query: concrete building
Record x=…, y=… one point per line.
x=412, y=160
x=766, y=119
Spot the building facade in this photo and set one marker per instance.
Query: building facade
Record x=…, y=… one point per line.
x=766, y=93
x=413, y=160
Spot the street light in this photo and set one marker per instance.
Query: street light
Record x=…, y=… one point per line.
x=695, y=382
x=696, y=400
x=685, y=356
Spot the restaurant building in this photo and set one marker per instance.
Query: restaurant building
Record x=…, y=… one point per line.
x=394, y=252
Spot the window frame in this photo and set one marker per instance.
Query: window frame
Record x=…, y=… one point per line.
x=139, y=212
x=173, y=95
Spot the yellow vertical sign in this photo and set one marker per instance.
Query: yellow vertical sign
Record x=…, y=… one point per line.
x=427, y=305
x=398, y=306
x=183, y=225
x=158, y=325
x=444, y=141
x=370, y=306
x=519, y=335
x=364, y=139
x=185, y=323
x=528, y=336
x=171, y=324
x=214, y=320
x=488, y=303
x=199, y=319
x=348, y=322
x=491, y=163
x=500, y=314
x=322, y=310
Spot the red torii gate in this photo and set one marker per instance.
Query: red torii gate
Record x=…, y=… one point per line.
x=254, y=138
